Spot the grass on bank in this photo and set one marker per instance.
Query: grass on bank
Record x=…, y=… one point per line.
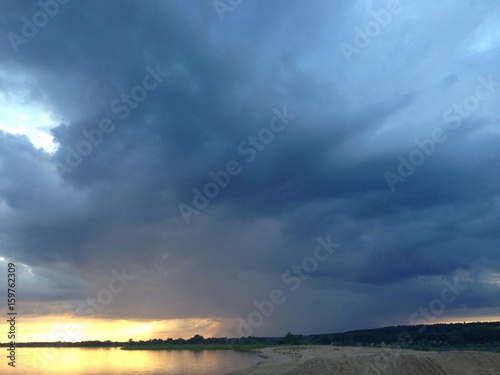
x=239, y=347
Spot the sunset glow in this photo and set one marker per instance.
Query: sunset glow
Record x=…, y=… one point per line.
x=67, y=329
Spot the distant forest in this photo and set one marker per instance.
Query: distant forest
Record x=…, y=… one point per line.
x=422, y=337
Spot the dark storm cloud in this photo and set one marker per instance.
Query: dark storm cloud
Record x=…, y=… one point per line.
x=323, y=174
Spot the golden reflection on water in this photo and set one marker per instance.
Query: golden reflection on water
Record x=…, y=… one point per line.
x=115, y=361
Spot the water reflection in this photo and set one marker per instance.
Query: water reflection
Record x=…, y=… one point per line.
x=113, y=361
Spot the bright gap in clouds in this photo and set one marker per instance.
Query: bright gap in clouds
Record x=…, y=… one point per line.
x=31, y=121
x=53, y=328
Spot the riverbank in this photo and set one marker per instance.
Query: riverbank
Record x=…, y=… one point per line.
x=194, y=347
x=325, y=360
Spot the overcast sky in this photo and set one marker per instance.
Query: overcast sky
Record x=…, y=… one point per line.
x=206, y=150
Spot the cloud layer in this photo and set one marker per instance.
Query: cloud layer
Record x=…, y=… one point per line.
x=206, y=148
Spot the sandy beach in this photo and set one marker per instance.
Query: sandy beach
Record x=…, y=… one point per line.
x=323, y=360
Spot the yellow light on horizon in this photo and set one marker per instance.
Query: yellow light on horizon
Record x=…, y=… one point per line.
x=455, y=320
x=75, y=329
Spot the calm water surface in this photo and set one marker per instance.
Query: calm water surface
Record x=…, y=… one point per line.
x=113, y=361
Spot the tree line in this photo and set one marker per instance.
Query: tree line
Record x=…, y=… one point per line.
x=477, y=334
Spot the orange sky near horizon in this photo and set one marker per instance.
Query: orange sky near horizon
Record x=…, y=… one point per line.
x=72, y=329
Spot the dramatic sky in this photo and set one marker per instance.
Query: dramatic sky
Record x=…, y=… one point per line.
x=248, y=166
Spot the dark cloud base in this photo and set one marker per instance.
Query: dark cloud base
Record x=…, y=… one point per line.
x=323, y=175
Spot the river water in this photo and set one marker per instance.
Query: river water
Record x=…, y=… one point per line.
x=113, y=361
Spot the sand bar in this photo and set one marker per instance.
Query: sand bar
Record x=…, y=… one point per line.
x=323, y=360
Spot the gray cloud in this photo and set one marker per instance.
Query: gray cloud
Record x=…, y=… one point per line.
x=322, y=175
